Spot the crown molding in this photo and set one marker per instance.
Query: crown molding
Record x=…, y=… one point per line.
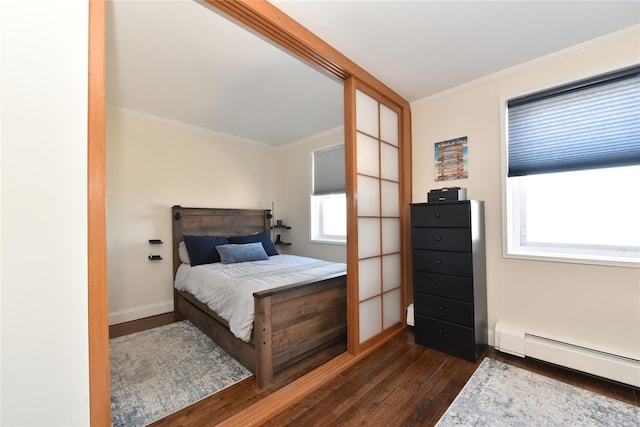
x=530, y=65
x=183, y=125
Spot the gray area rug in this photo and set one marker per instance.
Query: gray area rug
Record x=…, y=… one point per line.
x=499, y=394
x=160, y=371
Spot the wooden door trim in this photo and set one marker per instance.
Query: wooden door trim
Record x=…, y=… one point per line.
x=99, y=378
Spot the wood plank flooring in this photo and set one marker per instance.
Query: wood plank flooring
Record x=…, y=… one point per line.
x=400, y=384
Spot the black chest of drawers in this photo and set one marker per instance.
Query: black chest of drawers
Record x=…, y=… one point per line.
x=449, y=277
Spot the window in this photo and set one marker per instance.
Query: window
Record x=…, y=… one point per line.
x=573, y=172
x=328, y=196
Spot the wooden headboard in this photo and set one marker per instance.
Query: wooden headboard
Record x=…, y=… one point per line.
x=215, y=222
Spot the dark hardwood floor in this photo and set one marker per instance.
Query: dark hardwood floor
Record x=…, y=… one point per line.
x=400, y=384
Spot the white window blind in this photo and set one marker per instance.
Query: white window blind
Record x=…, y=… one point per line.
x=328, y=171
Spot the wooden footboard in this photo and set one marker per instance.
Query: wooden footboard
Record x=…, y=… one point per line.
x=291, y=323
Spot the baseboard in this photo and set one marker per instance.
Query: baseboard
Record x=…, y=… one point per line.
x=140, y=312
x=491, y=338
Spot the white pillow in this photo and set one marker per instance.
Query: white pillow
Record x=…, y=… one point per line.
x=183, y=254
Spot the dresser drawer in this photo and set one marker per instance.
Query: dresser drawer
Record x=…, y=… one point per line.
x=455, y=263
x=441, y=239
x=446, y=337
x=450, y=310
x=441, y=215
x=460, y=288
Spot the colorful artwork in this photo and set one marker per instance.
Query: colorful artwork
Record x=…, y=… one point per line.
x=451, y=159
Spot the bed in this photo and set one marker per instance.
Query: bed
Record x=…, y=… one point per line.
x=291, y=321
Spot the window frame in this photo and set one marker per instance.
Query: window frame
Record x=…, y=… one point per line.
x=511, y=205
x=316, y=209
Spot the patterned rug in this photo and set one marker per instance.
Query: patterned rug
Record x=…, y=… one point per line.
x=160, y=371
x=499, y=394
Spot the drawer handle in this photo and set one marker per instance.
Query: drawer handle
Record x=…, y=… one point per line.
x=439, y=285
x=437, y=215
x=439, y=307
x=441, y=331
x=438, y=239
x=439, y=261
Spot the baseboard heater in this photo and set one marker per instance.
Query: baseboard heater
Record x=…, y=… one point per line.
x=513, y=340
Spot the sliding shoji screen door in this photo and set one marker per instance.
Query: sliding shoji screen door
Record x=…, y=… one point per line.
x=376, y=263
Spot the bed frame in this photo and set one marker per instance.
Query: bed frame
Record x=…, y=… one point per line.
x=291, y=322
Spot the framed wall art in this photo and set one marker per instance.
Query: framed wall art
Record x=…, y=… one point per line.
x=451, y=159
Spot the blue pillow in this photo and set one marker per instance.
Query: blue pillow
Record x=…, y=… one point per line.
x=241, y=252
x=257, y=238
x=202, y=249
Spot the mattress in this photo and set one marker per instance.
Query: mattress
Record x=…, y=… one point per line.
x=228, y=289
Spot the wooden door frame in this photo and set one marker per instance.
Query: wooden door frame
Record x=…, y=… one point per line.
x=99, y=376
x=269, y=21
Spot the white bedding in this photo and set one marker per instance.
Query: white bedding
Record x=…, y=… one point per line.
x=228, y=288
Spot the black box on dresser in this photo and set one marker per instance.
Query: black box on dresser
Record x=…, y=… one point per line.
x=449, y=277
x=447, y=194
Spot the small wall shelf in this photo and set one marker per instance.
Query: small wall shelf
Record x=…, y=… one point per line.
x=280, y=226
x=154, y=242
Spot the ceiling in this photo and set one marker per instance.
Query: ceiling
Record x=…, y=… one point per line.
x=181, y=60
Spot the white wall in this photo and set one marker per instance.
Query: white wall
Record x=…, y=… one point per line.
x=43, y=191
x=596, y=306
x=153, y=164
x=294, y=183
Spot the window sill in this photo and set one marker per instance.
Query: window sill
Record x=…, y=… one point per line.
x=610, y=261
x=328, y=242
